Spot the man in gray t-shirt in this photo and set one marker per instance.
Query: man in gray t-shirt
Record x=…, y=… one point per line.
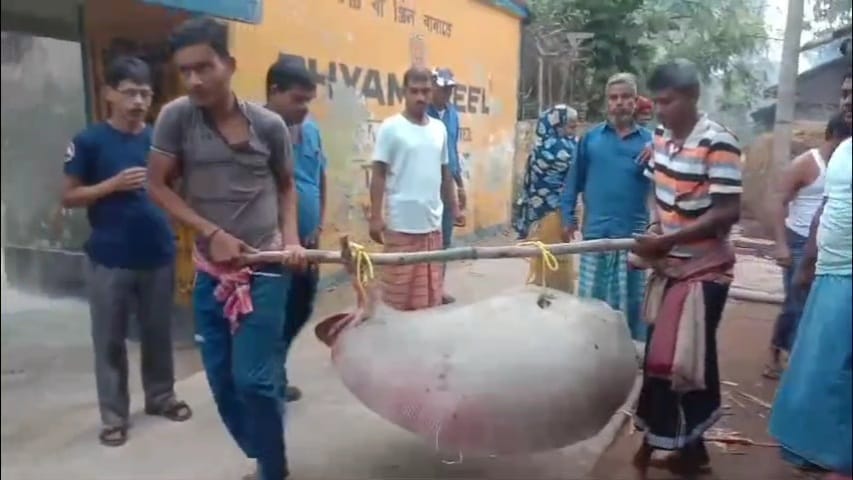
x=236, y=164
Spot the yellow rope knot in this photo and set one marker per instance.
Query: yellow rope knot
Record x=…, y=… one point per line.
x=549, y=261
x=363, y=264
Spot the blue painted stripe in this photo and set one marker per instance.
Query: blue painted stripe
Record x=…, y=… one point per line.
x=512, y=7
x=248, y=11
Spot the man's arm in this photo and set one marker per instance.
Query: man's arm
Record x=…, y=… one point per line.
x=790, y=182
x=652, y=205
x=448, y=191
x=715, y=223
x=323, y=166
x=574, y=185
x=456, y=168
x=378, y=175
x=281, y=160
x=448, y=183
x=810, y=250
x=382, y=158
x=164, y=168
x=75, y=193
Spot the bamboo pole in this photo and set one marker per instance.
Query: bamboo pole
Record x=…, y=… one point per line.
x=345, y=257
x=455, y=254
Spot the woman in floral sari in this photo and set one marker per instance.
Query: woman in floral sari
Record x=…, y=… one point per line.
x=539, y=202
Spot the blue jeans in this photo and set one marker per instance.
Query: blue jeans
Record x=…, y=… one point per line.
x=244, y=370
x=785, y=328
x=300, y=306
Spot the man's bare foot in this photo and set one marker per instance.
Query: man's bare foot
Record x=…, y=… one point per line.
x=773, y=369
x=642, y=460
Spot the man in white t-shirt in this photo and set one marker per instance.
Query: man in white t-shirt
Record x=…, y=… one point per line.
x=411, y=179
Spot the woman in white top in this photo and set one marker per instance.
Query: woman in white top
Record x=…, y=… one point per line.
x=798, y=196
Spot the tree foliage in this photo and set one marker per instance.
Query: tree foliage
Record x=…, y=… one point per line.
x=832, y=13
x=723, y=38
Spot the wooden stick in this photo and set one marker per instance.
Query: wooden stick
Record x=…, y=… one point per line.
x=456, y=254
x=740, y=441
x=755, y=400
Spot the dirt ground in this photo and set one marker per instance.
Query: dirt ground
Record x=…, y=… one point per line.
x=49, y=411
x=49, y=406
x=743, y=335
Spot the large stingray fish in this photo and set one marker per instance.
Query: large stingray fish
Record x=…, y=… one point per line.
x=516, y=373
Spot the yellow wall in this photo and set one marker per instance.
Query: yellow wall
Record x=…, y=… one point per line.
x=359, y=52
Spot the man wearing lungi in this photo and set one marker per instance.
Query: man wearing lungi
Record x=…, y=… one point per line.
x=608, y=174
x=236, y=160
x=696, y=170
x=411, y=178
x=811, y=415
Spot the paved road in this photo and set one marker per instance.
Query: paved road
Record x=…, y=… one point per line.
x=49, y=415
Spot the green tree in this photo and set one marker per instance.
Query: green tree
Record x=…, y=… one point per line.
x=723, y=38
x=832, y=13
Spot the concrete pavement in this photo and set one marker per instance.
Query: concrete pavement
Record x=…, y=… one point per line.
x=50, y=420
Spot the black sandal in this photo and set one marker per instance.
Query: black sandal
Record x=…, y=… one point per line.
x=174, y=410
x=113, y=436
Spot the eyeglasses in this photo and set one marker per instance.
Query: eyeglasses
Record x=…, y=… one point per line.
x=143, y=93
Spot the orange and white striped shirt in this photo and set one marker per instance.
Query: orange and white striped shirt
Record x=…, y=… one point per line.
x=687, y=175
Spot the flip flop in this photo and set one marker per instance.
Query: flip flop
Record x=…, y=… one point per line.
x=174, y=410
x=113, y=436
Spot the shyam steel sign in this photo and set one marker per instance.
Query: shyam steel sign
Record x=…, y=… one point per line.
x=385, y=88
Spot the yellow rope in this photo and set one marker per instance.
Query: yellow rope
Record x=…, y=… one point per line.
x=363, y=265
x=549, y=261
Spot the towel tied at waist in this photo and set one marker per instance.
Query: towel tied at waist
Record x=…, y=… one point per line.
x=675, y=304
x=234, y=285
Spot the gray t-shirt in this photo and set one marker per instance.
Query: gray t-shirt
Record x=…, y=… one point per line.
x=235, y=187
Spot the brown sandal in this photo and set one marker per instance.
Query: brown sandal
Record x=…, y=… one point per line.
x=113, y=436
x=174, y=410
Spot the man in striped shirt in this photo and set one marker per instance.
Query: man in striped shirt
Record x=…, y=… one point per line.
x=696, y=170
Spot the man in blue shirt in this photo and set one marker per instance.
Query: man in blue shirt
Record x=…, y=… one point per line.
x=290, y=89
x=443, y=109
x=608, y=174
x=131, y=249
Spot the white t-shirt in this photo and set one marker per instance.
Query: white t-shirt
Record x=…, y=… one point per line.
x=834, y=239
x=414, y=155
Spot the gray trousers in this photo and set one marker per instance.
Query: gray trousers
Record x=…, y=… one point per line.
x=113, y=294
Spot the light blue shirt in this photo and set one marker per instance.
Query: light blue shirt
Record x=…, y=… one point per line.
x=835, y=231
x=608, y=174
x=450, y=117
x=308, y=171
